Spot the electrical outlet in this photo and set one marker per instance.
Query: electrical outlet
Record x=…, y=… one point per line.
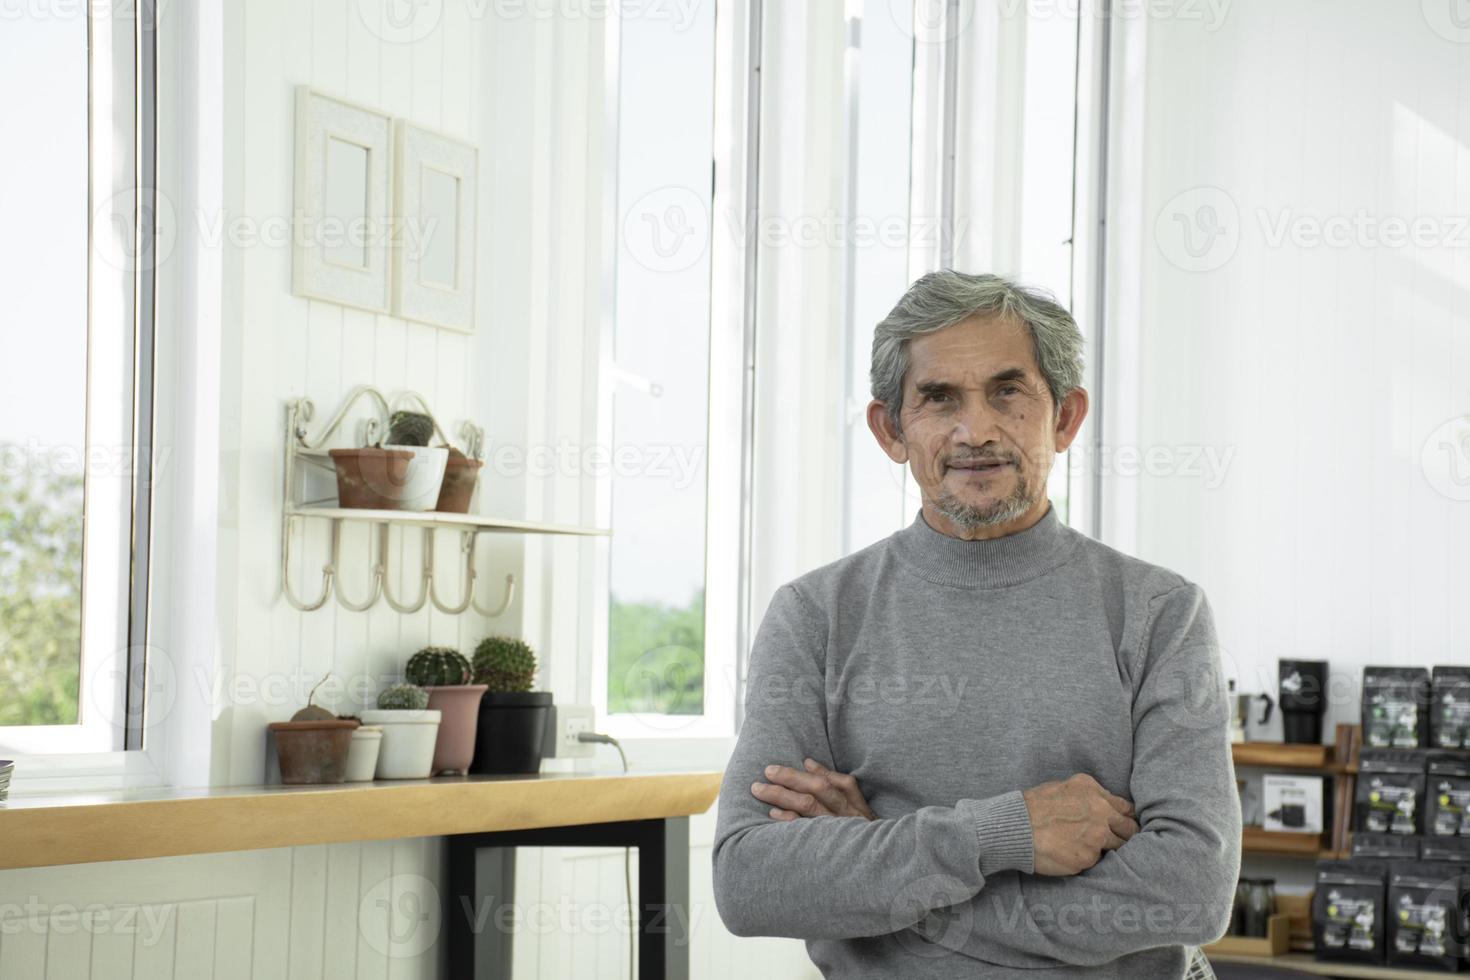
x=566, y=721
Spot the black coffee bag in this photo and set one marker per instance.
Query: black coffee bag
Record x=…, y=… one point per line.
x=1449, y=717
x=1390, y=792
x=1425, y=927
x=1447, y=797
x=1395, y=707
x=1348, y=911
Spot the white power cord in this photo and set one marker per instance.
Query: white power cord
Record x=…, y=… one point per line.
x=602, y=739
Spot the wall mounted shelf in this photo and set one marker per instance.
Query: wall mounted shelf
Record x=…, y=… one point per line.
x=302, y=448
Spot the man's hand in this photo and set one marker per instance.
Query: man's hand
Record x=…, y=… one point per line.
x=815, y=793
x=1073, y=821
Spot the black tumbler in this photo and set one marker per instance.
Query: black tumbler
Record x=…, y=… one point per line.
x=1303, y=699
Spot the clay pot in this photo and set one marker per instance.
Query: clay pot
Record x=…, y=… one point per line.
x=459, y=485
x=313, y=751
x=459, y=712
x=371, y=478
x=512, y=731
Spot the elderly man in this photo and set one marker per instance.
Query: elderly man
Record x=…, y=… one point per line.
x=986, y=746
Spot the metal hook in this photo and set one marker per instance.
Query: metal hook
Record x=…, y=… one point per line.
x=388, y=592
x=467, y=547
x=328, y=571
x=510, y=591
x=375, y=571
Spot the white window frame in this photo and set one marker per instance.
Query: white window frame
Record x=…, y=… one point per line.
x=121, y=741
x=732, y=287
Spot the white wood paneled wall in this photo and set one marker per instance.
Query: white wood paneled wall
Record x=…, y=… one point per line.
x=1317, y=373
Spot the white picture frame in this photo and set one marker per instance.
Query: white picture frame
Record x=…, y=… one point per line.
x=342, y=223
x=436, y=200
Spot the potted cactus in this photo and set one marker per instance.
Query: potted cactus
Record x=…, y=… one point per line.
x=410, y=731
x=512, y=716
x=445, y=674
x=410, y=432
x=312, y=747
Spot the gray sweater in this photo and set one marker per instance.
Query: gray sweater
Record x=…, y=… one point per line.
x=947, y=676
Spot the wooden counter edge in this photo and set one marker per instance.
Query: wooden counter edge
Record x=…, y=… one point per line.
x=45, y=836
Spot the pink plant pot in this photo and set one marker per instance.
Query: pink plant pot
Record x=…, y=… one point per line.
x=459, y=707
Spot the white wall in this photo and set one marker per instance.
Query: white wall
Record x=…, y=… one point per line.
x=1318, y=372
x=527, y=90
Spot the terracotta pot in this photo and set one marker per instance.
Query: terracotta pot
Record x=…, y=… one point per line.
x=371, y=478
x=459, y=485
x=459, y=717
x=313, y=751
x=512, y=731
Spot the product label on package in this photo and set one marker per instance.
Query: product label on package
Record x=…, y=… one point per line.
x=1421, y=927
x=1390, y=809
x=1349, y=922
x=1451, y=804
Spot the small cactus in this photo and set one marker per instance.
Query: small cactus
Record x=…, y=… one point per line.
x=409, y=429
x=504, y=664
x=437, y=667
x=403, y=697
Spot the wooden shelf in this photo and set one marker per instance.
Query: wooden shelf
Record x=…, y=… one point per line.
x=128, y=824
x=1284, y=755
x=435, y=519
x=1255, y=840
x=1306, y=963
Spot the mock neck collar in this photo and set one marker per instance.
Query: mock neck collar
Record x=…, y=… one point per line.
x=989, y=564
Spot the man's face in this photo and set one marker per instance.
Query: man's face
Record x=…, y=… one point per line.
x=978, y=426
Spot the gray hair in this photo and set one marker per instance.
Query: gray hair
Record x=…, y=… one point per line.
x=944, y=298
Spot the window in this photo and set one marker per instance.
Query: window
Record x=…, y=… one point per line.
x=75, y=471
x=672, y=395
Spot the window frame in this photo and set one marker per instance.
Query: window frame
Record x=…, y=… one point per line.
x=731, y=404
x=122, y=253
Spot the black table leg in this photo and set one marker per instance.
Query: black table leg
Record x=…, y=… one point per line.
x=479, y=880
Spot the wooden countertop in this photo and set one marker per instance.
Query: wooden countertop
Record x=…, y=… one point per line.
x=123, y=825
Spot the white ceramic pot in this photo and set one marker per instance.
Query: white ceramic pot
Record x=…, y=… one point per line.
x=408, y=741
x=362, y=755
x=420, y=490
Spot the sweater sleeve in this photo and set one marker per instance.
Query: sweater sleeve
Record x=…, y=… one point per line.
x=1172, y=883
x=837, y=877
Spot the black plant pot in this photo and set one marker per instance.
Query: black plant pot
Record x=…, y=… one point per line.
x=511, y=732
